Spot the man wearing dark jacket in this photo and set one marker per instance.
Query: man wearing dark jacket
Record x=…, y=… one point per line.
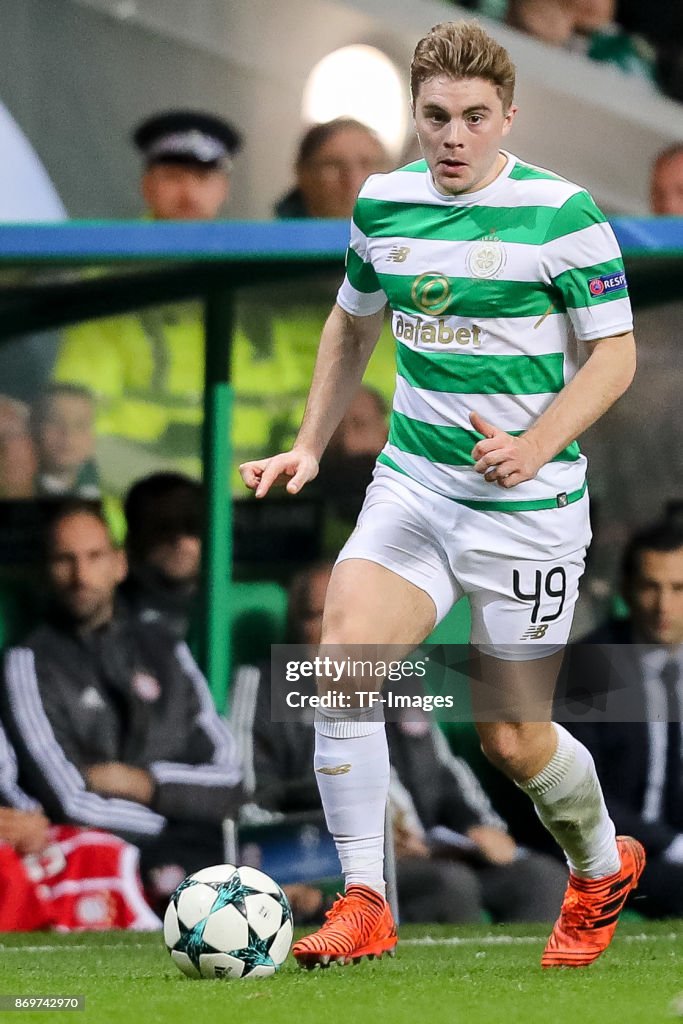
x=112, y=721
x=627, y=678
x=164, y=521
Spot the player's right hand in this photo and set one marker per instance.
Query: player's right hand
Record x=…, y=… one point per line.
x=294, y=469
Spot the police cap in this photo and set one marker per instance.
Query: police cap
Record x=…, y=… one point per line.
x=187, y=137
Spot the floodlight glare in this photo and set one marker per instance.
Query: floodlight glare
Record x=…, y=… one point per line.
x=360, y=82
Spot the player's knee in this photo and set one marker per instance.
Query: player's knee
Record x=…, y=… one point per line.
x=506, y=744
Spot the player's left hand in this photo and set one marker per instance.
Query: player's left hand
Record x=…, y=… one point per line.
x=501, y=458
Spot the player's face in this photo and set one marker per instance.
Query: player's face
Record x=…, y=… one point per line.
x=184, y=192
x=84, y=569
x=460, y=124
x=656, y=597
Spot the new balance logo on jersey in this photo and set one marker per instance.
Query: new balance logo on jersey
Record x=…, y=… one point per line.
x=435, y=332
x=399, y=254
x=535, y=632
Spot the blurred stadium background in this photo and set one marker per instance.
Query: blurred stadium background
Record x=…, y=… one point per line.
x=77, y=75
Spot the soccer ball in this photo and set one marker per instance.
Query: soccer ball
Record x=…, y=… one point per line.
x=228, y=922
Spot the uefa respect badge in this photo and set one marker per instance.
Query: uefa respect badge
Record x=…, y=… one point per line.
x=607, y=283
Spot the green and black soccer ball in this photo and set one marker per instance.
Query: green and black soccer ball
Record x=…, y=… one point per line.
x=228, y=922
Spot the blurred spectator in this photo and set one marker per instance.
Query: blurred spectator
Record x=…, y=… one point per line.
x=273, y=359
x=635, y=735
x=363, y=429
x=455, y=858
x=57, y=876
x=584, y=26
x=164, y=547
x=17, y=454
x=188, y=157
x=333, y=161
x=63, y=428
x=113, y=723
x=147, y=370
x=666, y=182
x=550, y=21
x=347, y=465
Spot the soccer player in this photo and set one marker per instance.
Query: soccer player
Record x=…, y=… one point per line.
x=497, y=273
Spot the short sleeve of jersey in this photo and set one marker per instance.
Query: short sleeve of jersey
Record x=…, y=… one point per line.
x=361, y=293
x=581, y=256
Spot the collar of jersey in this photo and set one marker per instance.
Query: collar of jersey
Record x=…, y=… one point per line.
x=481, y=194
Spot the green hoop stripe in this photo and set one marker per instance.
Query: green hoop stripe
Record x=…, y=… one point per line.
x=450, y=446
x=458, y=373
x=473, y=299
x=382, y=218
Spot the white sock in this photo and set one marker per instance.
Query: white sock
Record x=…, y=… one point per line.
x=569, y=802
x=354, y=794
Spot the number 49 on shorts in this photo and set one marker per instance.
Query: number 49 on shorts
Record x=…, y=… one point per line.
x=549, y=588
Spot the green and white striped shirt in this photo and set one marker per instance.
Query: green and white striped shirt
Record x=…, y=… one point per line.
x=489, y=293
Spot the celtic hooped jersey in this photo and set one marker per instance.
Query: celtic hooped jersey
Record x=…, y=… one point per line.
x=490, y=294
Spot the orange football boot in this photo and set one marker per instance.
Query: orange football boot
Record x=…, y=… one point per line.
x=360, y=923
x=590, y=911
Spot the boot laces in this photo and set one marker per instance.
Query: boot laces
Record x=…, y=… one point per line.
x=345, y=905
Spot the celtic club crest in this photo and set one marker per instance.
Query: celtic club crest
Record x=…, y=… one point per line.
x=486, y=257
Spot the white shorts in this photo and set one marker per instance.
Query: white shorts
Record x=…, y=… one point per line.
x=520, y=570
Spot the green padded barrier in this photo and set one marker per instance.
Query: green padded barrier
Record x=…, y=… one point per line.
x=258, y=619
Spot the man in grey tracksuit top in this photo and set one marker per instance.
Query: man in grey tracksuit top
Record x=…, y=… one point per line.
x=113, y=723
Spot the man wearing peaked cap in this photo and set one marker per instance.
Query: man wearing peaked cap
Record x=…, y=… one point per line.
x=188, y=157
x=147, y=369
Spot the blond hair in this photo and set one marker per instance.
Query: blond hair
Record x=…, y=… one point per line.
x=462, y=49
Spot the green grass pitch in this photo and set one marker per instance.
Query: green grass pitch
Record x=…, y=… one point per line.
x=440, y=974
